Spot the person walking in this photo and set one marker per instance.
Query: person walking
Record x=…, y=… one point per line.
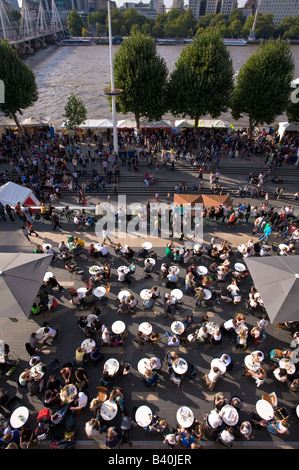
x=55, y=219
x=106, y=236
x=25, y=232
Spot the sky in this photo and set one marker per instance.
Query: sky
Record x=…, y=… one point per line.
x=168, y=3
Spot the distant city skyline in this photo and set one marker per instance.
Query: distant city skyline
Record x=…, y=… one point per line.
x=168, y=3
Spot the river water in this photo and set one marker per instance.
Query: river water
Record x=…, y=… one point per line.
x=59, y=71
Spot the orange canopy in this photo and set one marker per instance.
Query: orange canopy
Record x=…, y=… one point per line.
x=210, y=200
x=186, y=198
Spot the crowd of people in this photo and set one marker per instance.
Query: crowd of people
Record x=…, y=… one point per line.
x=65, y=389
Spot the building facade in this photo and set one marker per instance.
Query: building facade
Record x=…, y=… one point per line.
x=279, y=9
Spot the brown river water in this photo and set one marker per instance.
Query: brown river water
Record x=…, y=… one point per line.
x=84, y=70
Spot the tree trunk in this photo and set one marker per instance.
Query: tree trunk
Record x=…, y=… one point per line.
x=21, y=129
x=196, y=120
x=250, y=128
x=137, y=119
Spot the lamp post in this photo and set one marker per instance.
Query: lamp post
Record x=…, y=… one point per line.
x=115, y=140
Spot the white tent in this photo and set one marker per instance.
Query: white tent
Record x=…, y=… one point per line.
x=287, y=126
x=184, y=123
x=12, y=193
x=36, y=121
x=215, y=123
x=93, y=124
x=155, y=124
x=7, y=122
x=126, y=124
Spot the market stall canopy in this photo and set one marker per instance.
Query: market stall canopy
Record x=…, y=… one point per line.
x=7, y=122
x=21, y=275
x=276, y=278
x=12, y=193
x=210, y=200
x=93, y=124
x=186, y=198
x=287, y=126
x=36, y=121
x=126, y=124
x=184, y=123
x=216, y=123
x=155, y=124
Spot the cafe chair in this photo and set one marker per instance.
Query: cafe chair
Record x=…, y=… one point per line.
x=175, y=379
x=13, y=403
x=281, y=413
x=102, y=394
x=271, y=398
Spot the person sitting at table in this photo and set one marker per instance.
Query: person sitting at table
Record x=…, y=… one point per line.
x=172, y=340
x=132, y=302
x=80, y=355
x=149, y=377
x=193, y=270
x=106, y=335
x=132, y=267
x=215, y=337
x=206, y=281
x=93, y=429
x=148, y=266
x=118, y=397
x=81, y=381
x=226, y=436
x=140, y=338
x=169, y=309
x=79, y=403
x=123, y=276
x=188, y=322
x=124, y=307
x=177, y=256
x=168, y=252
x=202, y=334
x=148, y=304
x=164, y=270
x=51, y=399
x=129, y=253
x=170, y=359
x=92, y=252
x=190, y=284
x=259, y=375
x=274, y=426
x=142, y=252
x=95, y=355
x=172, y=280
x=67, y=372
x=72, y=267
x=117, y=249
x=117, y=339
x=112, y=437
x=212, y=377
x=275, y=355
x=281, y=374
x=187, y=256
x=155, y=292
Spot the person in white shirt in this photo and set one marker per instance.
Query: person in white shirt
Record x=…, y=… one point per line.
x=226, y=437
x=42, y=334
x=103, y=250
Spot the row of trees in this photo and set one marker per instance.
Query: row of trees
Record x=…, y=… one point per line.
x=182, y=23
x=201, y=83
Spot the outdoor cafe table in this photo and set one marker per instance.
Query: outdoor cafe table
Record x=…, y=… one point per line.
x=251, y=363
x=88, y=344
x=147, y=245
x=143, y=416
x=240, y=267
x=174, y=269
x=19, y=417
x=111, y=366
x=208, y=294
x=125, y=269
x=99, y=291
x=287, y=364
x=82, y=290
x=185, y=416
x=180, y=366
x=123, y=295
x=217, y=363
x=201, y=270
x=143, y=365
x=145, y=294
x=68, y=393
x=118, y=327
x=108, y=410
x=177, y=327
x=264, y=409
x=229, y=415
x=212, y=327
x=177, y=293
x=95, y=269
x=145, y=328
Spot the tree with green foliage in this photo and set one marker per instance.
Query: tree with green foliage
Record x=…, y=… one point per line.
x=75, y=23
x=265, y=28
x=142, y=75
x=202, y=81
x=264, y=84
x=74, y=112
x=19, y=83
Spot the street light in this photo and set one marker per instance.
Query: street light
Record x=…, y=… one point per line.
x=112, y=92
